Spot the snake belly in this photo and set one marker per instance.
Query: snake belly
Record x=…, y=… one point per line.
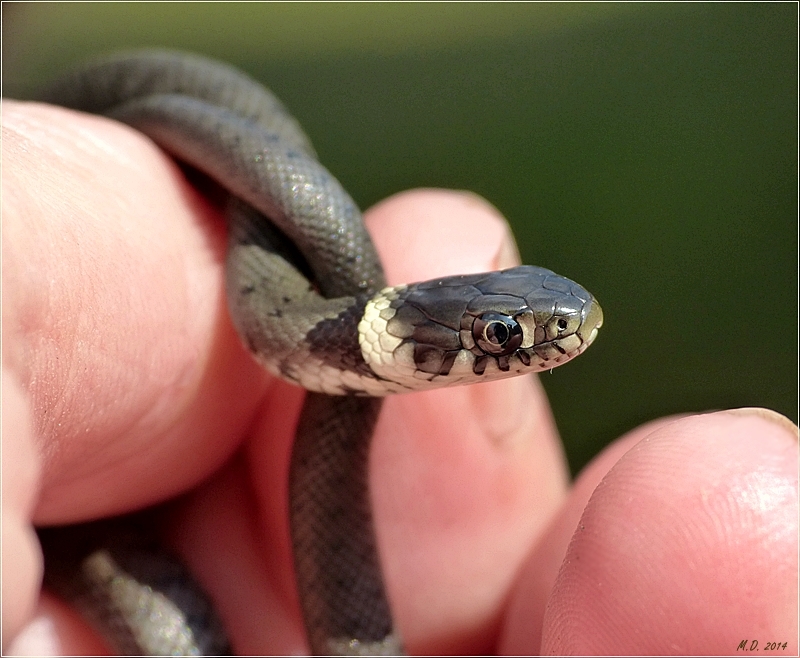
x=307, y=294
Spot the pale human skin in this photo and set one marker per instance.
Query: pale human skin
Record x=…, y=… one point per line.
x=124, y=384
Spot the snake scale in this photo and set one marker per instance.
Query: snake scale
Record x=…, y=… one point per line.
x=307, y=295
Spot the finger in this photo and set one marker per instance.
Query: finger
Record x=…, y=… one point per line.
x=461, y=479
x=116, y=324
x=464, y=478
x=689, y=544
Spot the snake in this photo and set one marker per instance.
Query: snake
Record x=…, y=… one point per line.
x=307, y=295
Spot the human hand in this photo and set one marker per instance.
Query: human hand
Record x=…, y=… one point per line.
x=125, y=385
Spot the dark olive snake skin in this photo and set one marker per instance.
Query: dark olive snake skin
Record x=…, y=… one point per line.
x=306, y=293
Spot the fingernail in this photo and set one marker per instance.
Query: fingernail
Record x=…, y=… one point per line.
x=768, y=414
x=508, y=254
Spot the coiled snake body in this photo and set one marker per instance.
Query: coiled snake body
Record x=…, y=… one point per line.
x=307, y=295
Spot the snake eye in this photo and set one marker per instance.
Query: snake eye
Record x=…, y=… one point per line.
x=497, y=334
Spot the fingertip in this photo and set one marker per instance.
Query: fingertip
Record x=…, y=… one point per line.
x=706, y=503
x=428, y=233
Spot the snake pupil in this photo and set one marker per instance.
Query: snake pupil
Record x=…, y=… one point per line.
x=497, y=334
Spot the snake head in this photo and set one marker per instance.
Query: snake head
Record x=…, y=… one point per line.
x=472, y=328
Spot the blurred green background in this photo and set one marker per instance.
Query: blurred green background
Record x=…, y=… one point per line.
x=648, y=151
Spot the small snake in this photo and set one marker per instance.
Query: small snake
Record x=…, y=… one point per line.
x=307, y=294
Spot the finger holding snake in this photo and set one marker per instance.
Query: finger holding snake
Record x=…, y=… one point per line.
x=148, y=197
